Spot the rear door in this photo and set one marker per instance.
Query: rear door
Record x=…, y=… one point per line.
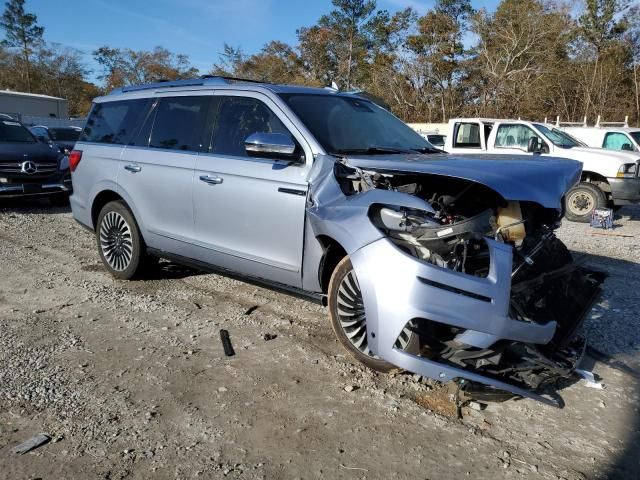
x=249, y=212
x=110, y=126
x=156, y=170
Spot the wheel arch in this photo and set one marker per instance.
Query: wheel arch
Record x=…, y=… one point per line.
x=333, y=254
x=596, y=179
x=104, y=197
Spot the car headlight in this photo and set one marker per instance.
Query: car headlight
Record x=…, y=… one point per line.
x=628, y=170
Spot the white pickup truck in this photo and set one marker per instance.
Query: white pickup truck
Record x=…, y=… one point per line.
x=609, y=178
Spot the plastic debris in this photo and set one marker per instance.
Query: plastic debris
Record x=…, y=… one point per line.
x=589, y=379
x=602, y=218
x=32, y=443
x=226, y=343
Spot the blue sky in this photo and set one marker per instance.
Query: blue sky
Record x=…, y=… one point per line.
x=198, y=28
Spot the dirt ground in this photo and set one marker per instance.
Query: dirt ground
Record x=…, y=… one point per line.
x=130, y=379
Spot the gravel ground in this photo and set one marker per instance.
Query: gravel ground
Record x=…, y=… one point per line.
x=130, y=381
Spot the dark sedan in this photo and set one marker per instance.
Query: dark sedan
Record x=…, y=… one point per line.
x=29, y=167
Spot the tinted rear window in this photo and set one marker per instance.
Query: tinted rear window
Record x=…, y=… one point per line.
x=179, y=122
x=11, y=131
x=64, y=134
x=114, y=122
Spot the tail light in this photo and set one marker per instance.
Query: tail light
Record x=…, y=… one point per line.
x=74, y=159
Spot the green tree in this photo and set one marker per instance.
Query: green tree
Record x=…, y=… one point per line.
x=439, y=51
x=602, y=51
x=339, y=46
x=520, y=44
x=21, y=32
x=277, y=62
x=129, y=67
x=230, y=61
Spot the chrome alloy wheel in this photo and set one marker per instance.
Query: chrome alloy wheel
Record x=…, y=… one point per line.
x=580, y=202
x=115, y=241
x=353, y=319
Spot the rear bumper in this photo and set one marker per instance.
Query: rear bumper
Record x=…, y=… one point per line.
x=625, y=191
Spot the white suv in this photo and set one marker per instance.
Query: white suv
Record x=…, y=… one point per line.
x=444, y=267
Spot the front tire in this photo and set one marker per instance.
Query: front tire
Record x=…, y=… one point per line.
x=120, y=243
x=582, y=200
x=348, y=319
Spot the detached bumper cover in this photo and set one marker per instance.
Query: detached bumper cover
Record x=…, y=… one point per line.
x=625, y=190
x=398, y=288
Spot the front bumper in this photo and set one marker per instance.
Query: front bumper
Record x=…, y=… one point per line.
x=625, y=191
x=47, y=187
x=398, y=288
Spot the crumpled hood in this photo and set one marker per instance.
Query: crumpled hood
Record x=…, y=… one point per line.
x=515, y=177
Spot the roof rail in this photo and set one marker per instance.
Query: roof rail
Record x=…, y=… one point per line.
x=193, y=82
x=236, y=79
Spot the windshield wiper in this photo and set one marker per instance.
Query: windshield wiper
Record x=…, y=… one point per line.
x=427, y=150
x=372, y=150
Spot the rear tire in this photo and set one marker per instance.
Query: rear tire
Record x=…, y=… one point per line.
x=346, y=312
x=120, y=243
x=582, y=200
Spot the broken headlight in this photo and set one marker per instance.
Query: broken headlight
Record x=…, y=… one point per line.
x=442, y=239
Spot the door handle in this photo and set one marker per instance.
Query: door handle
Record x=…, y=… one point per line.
x=211, y=180
x=133, y=168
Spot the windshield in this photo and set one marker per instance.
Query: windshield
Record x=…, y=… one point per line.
x=64, y=134
x=635, y=136
x=558, y=137
x=346, y=125
x=14, y=132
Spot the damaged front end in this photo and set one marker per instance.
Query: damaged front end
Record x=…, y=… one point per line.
x=481, y=282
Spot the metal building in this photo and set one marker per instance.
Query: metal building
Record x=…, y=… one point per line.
x=19, y=105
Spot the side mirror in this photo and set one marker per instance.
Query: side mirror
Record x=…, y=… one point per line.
x=627, y=147
x=271, y=145
x=535, y=145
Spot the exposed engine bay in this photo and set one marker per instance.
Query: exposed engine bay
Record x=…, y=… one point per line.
x=547, y=284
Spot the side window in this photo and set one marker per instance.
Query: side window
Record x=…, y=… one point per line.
x=514, y=136
x=239, y=117
x=114, y=122
x=41, y=133
x=179, y=122
x=617, y=141
x=467, y=136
